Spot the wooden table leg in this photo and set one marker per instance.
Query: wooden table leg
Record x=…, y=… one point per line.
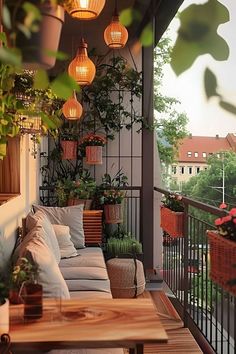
x=137, y=350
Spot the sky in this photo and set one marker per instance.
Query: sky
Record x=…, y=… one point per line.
x=206, y=118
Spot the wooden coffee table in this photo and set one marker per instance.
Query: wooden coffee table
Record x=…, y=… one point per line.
x=108, y=323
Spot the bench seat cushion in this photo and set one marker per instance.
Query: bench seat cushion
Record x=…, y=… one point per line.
x=87, y=257
x=88, y=284
x=84, y=273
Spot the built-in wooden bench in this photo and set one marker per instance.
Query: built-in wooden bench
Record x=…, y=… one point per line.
x=180, y=338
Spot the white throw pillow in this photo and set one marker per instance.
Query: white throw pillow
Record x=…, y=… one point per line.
x=66, y=246
x=36, y=250
x=71, y=216
x=40, y=219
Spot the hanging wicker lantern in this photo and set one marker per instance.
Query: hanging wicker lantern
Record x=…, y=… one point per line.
x=82, y=69
x=72, y=109
x=115, y=35
x=84, y=9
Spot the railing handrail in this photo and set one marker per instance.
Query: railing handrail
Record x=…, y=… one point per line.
x=194, y=203
x=125, y=188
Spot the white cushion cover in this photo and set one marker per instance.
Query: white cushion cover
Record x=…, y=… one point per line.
x=71, y=216
x=40, y=219
x=36, y=250
x=66, y=246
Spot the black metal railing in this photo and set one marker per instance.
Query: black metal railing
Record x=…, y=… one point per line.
x=132, y=220
x=205, y=307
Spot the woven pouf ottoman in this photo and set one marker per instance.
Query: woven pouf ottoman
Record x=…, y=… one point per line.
x=126, y=277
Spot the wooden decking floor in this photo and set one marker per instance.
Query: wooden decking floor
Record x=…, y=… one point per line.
x=180, y=338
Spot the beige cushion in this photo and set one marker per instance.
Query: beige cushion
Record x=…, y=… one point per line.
x=88, y=285
x=66, y=246
x=84, y=273
x=35, y=249
x=71, y=216
x=40, y=219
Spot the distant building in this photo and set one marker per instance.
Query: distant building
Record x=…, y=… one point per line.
x=194, y=151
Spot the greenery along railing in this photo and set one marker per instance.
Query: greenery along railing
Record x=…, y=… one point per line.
x=205, y=307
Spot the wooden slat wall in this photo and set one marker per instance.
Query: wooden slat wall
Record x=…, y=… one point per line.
x=92, y=221
x=10, y=168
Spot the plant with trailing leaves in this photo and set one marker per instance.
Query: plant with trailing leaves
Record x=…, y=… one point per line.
x=173, y=202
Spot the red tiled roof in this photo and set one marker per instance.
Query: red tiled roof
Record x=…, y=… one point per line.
x=201, y=144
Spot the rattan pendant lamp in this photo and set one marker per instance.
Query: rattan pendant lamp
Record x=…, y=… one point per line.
x=84, y=9
x=82, y=69
x=115, y=35
x=72, y=109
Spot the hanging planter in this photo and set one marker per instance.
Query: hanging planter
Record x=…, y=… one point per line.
x=69, y=149
x=93, y=155
x=222, y=261
x=91, y=147
x=172, y=222
x=113, y=213
x=34, y=49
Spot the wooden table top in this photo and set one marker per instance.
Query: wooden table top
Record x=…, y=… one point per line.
x=89, y=324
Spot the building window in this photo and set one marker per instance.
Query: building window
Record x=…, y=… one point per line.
x=174, y=170
x=189, y=154
x=190, y=170
x=197, y=169
x=196, y=154
x=218, y=155
x=181, y=170
x=204, y=154
x=205, y=168
x=210, y=153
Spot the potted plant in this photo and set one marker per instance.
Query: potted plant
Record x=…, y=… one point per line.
x=172, y=215
x=123, y=247
x=91, y=145
x=69, y=143
x=223, y=252
x=37, y=29
x=82, y=191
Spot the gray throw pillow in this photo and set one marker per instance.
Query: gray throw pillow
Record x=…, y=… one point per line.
x=71, y=216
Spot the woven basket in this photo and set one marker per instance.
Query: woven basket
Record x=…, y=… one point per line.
x=69, y=149
x=113, y=213
x=222, y=260
x=172, y=222
x=94, y=155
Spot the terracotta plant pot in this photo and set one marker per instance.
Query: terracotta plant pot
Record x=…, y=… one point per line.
x=113, y=213
x=4, y=317
x=172, y=222
x=75, y=201
x=34, y=49
x=32, y=295
x=222, y=261
x=93, y=155
x=69, y=149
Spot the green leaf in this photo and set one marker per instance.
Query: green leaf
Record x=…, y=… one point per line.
x=3, y=149
x=32, y=14
x=10, y=56
x=210, y=83
x=50, y=124
x=197, y=35
x=126, y=16
x=6, y=17
x=146, y=37
x=64, y=85
x=228, y=107
x=41, y=81
x=58, y=55
x=3, y=38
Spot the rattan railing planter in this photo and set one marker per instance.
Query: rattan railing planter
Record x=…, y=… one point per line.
x=69, y=149
x=172, y=222
x=222, y=261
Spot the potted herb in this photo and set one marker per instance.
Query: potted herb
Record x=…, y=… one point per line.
x=125, y=246
x=69, y=143
x=223, y=252
x=82, y=191
x=91, y=145
x=172, y=215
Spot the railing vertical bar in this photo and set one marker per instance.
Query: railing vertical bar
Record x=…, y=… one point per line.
x=185, y=316
x=216, y=320
x=228, y=323
x=191, y=299
x=234, y=304
x=222, y=322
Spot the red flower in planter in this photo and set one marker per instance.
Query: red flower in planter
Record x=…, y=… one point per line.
x=226, y=225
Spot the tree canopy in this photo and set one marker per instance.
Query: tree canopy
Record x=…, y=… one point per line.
x=170, y=124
